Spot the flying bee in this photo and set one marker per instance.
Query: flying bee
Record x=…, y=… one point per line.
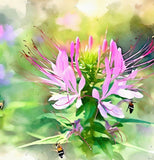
x=1, y=105
x=60, y=150
x=130, y=107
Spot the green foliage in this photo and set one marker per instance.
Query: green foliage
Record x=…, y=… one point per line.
x=131, y=120
x=117, y=156
x=106, y=146
x=90, y=109
x=48, y=140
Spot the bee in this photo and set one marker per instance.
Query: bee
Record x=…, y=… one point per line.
x=60, y=150
x=1, y=105
x=130, y=107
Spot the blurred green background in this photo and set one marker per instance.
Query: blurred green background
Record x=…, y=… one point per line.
x=125, y=22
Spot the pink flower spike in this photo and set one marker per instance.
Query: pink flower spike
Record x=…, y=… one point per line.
x=113, y=47
x=90, y=42
x=77, y=56
x=104, y=46
x=1, y=31
x=72, y=54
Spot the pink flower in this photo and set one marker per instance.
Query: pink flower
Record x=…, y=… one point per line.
x=107, y=107
x=77, y=129
x=59, y=74
x=64, y=100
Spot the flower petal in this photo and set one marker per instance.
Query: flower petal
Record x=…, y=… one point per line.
x=1, y=31
x=64, y=102
x=95, y=93
x=62, y=61
x=129, y=94
x=77, y=56
x=81, y=83
x=105, y=86
x=78, y=103
x=113, y=110
x=70, y=79
x=90, y=42
x=113, y=88
x=72, y=53
x=104, y=46
x=102, y=111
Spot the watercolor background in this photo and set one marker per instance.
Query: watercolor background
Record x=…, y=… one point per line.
x=125, y=21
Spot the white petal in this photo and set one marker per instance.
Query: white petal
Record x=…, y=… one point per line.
x=129, y=94
x=78, y=103
x=95, y=93
x=64, y=102
x=102, y=111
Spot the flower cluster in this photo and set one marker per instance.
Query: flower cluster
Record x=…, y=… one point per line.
x=98, y=74
x=94, y=79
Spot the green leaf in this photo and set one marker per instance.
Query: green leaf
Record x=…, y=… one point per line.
x=35, y=135
x=131, y=120
x=80, y=110
x=90, y=108
x=48, y=140
x=106, y=146
x=62, y=120
x=98, y=127
x=117, y=156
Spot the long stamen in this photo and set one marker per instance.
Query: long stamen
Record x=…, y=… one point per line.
x=130, y=68
x=140, y=51
x=85, y=142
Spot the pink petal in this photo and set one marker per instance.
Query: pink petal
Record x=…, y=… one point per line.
x=54, y=68
x=113, y=88
x=62, y=61
x=72, y=54
x=64, y=102
x=132, y=75
x=77, y=56
x=1, y=31
x=70, y=79
x=113, y=110
x=104, y=46
x=81, y=83
x=95, y=93
x=107, y=81
x=102, y=111
x=116, y=72
x=90, y=42
x=113, y=48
